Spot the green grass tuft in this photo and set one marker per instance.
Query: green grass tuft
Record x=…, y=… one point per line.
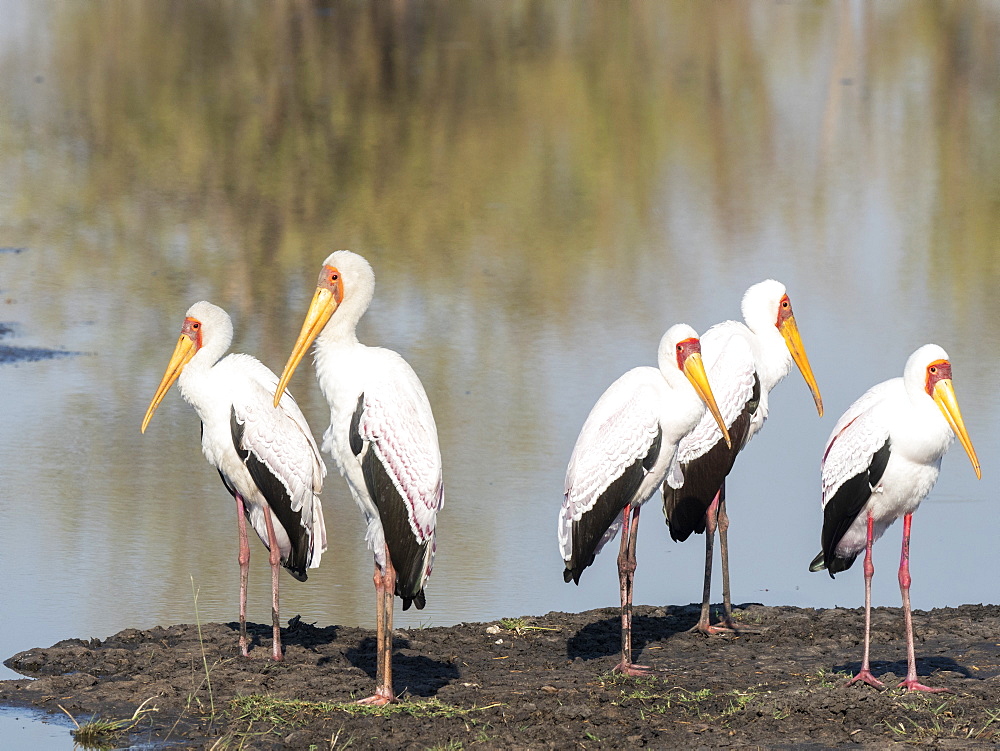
x=98, y=733
x=520, y=625
x=275, y=711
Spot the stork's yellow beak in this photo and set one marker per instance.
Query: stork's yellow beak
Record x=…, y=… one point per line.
x=694, y=369
x=322, y=307
x=793, y=340
x=944, y=395
x=183, y=353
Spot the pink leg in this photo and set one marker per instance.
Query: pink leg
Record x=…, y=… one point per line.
x=866, y=674
x=244, y=559
x=910, y=682
x=275, y=559
x=711, y=524
x=385, y=592
x=626, y=577
x=727, y=603
x=379, y=628
x=385, y=689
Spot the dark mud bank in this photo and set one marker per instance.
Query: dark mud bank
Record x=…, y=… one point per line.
x=539, y=682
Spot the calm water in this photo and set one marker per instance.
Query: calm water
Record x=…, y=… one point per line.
x=542, y=188
x=29, y=728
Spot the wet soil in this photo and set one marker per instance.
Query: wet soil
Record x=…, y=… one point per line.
x=539, y=682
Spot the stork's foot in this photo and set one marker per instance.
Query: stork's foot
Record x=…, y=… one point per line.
x=379, y=699
x=912, y=684
x=709, y=629
x=277, y=653
x=865, y=676
x=630, y=668
x=732, y=627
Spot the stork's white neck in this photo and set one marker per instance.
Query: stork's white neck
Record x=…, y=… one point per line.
x=342, y=326
x=774, y=361
x=195, y=382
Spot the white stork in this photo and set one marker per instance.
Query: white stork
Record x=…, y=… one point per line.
x=266, y=457
x=624, y=451
x=383, y=437
x=880, y=462
x=744, y=361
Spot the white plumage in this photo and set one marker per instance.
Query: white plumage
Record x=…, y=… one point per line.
x=279, y=438
x=397, y=424
x=881, y=460
x=622, y=455
x=267, y=457
x=621, y=430
x=744, y=362
x=382, y=436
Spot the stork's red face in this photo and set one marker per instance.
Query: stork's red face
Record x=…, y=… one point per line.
x=784, y=311
x=330, y=279
x=188, y=344
x=940, y=388
x=685, y=349
x=938, y=370
x=192, y=330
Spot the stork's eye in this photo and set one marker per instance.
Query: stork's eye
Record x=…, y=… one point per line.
x=785, y=303
x=932, y=369
x=334, y=277
x=679, y=348
x=196, y=325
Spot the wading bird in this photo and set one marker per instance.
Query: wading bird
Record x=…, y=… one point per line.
x=383, y=438
x=624, y=451
x=880, y=462
x=744, y=362
x=267, y=457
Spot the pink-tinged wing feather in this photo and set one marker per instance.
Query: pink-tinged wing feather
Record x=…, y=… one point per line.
x=858, y=434
x=618, y=432
x=398, y=422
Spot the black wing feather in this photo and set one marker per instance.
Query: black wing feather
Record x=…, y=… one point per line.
x=408, y=555
x=356, y=441
x=685, y=507
x=590, y=528
x=277, y=499
x=843, y=509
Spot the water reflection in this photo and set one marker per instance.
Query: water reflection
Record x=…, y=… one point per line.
x=29, y=728
x=542, y=189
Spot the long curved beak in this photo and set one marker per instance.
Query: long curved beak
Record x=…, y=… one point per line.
x=944, y=395
x=183, y=353
x=793, y=340
x=694, y=369
x=321, y=308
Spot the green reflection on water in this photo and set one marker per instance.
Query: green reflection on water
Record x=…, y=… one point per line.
x=511, y=169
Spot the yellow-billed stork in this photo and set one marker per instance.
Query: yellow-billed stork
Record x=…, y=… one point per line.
x=744, y=362
x=625, y=449
x=881, y=460
x=267, y=457
x=383, y=438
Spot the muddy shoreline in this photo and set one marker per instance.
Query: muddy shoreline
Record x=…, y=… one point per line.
x=537, y=682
